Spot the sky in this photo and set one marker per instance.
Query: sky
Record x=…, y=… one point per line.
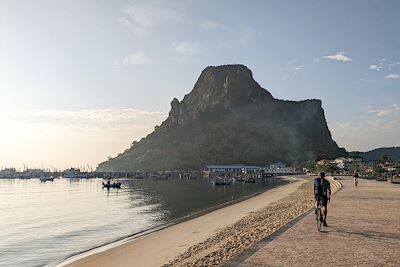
x=80, y=80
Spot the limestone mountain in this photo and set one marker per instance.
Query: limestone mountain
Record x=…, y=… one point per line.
x=228, y=118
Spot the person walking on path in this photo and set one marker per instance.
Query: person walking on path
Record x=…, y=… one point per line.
x=322, y=192
x=355, y=178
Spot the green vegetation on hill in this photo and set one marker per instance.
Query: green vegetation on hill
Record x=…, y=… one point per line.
x=229, y=119
x=393, y=153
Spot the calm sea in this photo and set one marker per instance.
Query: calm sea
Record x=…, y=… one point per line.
x=43, y=223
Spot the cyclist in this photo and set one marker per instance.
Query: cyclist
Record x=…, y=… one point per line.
x=322, y=192
x=355, y=178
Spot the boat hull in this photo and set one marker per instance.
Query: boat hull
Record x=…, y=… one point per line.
x=113, y=185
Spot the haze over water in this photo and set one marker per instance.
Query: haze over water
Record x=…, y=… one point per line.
x=43, y=223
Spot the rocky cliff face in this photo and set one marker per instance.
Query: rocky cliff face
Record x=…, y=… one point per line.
x=228, y=119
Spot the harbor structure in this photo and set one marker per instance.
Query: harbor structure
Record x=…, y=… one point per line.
x=278, y=168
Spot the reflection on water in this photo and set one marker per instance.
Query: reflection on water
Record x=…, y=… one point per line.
x=44, y=222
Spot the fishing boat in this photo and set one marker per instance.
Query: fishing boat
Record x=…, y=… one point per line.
x=108, y=184
x=73, y=173
x=139, y=175
x=112, y=185
x=45, y=178
x=190, y=175
x=222, y=181
x=240, y=179
x=250, y=180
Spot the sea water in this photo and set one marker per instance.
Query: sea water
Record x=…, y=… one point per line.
x=43, y=223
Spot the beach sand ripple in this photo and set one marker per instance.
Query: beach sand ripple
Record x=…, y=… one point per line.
x=233, y=240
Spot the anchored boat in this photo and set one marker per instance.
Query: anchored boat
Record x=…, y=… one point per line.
x=222, y=181
x=45, y=178
x=108, y=184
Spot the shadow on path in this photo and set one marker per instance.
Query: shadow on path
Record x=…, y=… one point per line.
x=368, y=234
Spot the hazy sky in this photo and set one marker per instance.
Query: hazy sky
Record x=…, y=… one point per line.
x=80, y=80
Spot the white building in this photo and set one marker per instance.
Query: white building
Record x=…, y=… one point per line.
x=274, y=169
x=277, y=165
x=239, y=168
x=346, y=163
x=279, y=171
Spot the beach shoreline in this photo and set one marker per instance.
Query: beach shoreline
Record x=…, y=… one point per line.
x=173, y=239
x=125, y=239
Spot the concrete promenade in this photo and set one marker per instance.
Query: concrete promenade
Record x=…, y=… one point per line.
x=363, y=230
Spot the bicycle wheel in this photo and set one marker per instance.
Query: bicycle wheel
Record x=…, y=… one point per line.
x=319, y=218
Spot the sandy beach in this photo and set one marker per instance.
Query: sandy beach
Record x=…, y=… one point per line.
x=191, y=242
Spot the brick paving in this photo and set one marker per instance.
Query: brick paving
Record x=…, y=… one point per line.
x=364, y=230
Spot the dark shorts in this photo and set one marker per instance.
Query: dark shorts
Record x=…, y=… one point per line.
x=322, y=198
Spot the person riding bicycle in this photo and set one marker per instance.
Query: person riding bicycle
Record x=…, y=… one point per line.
x=322, y=192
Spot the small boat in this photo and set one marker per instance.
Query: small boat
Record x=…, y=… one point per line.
x=222, y=181
x=250, y=180
x=113, y=185
x=44, y=178
x=76, y=174
x=239, y=179
x=139, y=175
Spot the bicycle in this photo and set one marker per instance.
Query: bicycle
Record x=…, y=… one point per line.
x=319, y=215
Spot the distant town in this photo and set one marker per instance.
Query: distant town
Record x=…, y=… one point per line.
x=382, y=169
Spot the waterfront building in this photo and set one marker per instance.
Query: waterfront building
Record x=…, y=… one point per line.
x=278, y=170
x=273, y=169
x=239, y=168
x=277, y=166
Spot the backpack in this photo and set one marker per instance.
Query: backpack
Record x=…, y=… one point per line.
x=325, y=186
x=318, y=186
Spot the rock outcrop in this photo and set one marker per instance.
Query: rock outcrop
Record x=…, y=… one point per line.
x=228, y=118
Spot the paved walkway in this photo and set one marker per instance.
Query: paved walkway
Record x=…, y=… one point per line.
x=364, y=230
